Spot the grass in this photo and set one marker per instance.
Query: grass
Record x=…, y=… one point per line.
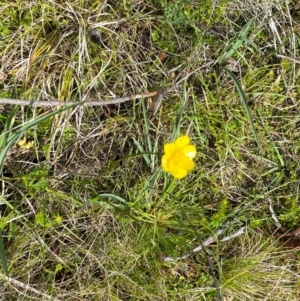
x=87, y=213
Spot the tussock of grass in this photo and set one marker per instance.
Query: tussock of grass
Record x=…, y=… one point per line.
x=86, y=213
x=259, y=270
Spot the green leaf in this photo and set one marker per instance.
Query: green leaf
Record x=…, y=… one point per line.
x=242, y=38
x=245, y=104
x=176, y=129
x=2, y=254
x=8, y=127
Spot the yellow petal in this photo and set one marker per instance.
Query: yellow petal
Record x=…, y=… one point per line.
x=176, y=171
x=181, y=174
x=182, y=141
x=189, y=151
x=22, y=142
x=29, y=145
x=186, y=163
x=169, y=149
x=164, y=163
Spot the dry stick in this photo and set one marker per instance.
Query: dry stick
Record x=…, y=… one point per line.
x=273, y=214
x=160, y=96
x=53, y=103
x=206, y=243
x=28, y=288
x=203, y=246
x=288, y=58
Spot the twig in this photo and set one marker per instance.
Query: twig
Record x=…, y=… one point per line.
x=160, y=96
x=28, y=288
x=277, y=223
x=54, y=103
x=288, y=58
x=235, y=234
x=206, y=243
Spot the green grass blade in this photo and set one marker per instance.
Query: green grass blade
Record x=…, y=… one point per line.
x=245, y=104
x=8, y=127
x=142, y=151
x=2, y=254
x=280, y=158
x=176, y=130
x=147, y=128
x=18, y=133
x=242, y=38
x=148, y=137
x=121, y=203
x=106, y=200
x=147, y=150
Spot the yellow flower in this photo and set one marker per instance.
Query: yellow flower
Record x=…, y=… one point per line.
x=24, y=144
x=58, y=219
x=178, y=157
